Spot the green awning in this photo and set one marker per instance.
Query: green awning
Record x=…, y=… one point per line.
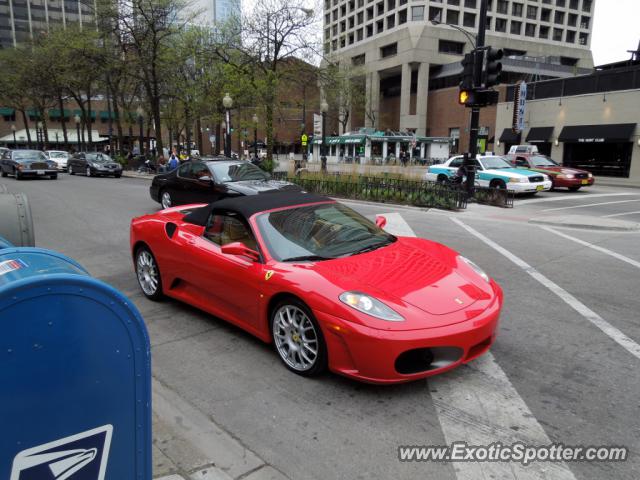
x=55, y=113
x=79, y=112
x=6, y=112
x=104, y=115
x=33, y=113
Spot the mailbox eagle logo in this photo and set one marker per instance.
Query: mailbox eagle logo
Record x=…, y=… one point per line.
x=79, y=457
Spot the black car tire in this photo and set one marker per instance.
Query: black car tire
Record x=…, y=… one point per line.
x=88, y=172
x=18, y=175
x=162, y=193
x=4, y=174
x=498, y=184
x=54, y=176
x=70, y=170
x=157, y=294
x=118, y=175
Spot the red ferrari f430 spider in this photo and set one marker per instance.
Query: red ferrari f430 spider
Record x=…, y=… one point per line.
x=328, y=287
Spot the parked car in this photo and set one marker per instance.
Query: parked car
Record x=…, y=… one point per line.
x=94, y=164
x=27, y=163
x=561, y=177
x=492, y=171
x=330, y=288
x=208, y=179
x=60, y=157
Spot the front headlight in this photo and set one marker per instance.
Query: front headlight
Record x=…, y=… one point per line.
x=591, y=175
x=371, y=306
x=570, y=175
x=518, y=180
x=475, y=268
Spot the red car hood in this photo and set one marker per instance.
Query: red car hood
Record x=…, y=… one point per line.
x=410, y=272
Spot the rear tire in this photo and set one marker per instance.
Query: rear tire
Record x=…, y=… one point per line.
x=165, y=199
x=574, y=189
x=442, y=180
x=297, y=338
x=148, y=274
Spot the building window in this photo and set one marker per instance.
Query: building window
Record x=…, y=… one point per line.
x=435, y=14
x=342, y=42
x=391, y=4
x=584, y=38
x=453, y=48
x=380, y=8
x=470, y=3
x=544, y=32
x=557, y=34
x=586, y=5
x=516, y=9
x=559, y=18
x=584, y=22
x=351, y=38
x=501, y=25
x=358, y=60
x=327, y=18
x=359, y=34
x=516, y=27
x=503, y=6
x=560, y=3
x=488, y=23
x=402, y=17
x=352, y=22
x=370, y=13
x=453, y=2
x=453, y=17
x=327, y=48
x=417, y=13
x=370, y=30
x=334, y=45
x=532, y=12
x=530, y=30
x=389, y=50
x=360, y=18
x=571, y=36
x=391, y=21
x=545, y=15
x=572, y=20
x=380, y=26
x=469, y=19
x=573, y=4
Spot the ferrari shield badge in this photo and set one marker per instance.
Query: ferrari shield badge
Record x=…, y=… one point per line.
x=268, y=275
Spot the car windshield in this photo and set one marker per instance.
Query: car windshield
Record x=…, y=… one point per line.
x=542, y=161
x=224, y=172
x=319, y=232
x=494, y=163
x=29, y=156
x=99, y=158
x=57, y=154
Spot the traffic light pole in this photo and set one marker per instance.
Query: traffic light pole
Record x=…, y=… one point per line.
x=469, y=159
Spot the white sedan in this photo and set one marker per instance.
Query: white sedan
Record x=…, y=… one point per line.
x=59, y=156
x=492, y=171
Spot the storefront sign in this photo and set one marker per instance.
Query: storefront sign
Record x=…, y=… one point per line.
x=591, y=140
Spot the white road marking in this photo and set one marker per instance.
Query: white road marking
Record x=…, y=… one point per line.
x=478, y=404
x=589, y=205
x=595, y=247
x=612, y=332
x=572, y=197
x=621, y=214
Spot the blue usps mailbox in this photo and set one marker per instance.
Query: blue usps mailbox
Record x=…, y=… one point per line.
x=75, y=375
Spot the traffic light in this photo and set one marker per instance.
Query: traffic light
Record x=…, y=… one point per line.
x=464, y=97
x=493, y=67
x=477, y=98
x=468, y=70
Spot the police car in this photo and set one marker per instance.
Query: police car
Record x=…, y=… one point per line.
x=492, y=171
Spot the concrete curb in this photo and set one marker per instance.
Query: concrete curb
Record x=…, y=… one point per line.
x=587, y=223
x=197, y=447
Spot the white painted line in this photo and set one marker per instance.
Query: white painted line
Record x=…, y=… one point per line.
x=595, y=247
x=477, y=403
x=589, y=205
x=621, y=214
x=612, y=332
x=572, y=197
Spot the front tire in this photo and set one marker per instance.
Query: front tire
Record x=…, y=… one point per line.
x=297, y=338
x=148, y=274
x=165, y=199
x=71, y=172
x=18, y=175
x=499, y=184
x=54, y=177
x=4, y=174
x=88, y=172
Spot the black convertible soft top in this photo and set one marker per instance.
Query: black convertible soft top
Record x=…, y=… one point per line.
x=251, y=204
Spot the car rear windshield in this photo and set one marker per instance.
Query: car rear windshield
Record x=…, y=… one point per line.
x=542, y=161
x=58, y=154
x=235, y=172
x=29, y=156
x=319, y=232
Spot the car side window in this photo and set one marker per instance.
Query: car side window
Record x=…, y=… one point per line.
x=477, y=164
x=184, y=170
x=455, y=163
x=225, y=229
x=199, y=170
x=521, y=162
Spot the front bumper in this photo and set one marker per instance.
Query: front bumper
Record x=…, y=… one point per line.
x=370, y=355
x=573, y=182
x=530, y=187
x=38, y=173
x=107, y=172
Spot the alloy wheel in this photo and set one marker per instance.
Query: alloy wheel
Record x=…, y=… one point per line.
x=166, y=200
x=147, y=272
x=296, y=338
x=88, y=171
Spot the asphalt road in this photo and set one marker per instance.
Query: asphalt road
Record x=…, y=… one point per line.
x=564, y=367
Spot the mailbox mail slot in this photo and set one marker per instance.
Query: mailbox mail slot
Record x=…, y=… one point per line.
x=74, y=373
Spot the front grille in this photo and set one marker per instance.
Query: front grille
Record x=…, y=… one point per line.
x=582, y=175
x=536, y=179
x=39, y=166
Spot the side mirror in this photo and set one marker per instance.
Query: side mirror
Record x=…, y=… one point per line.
x=241, y=250
x=205, y=179
x=381, y=221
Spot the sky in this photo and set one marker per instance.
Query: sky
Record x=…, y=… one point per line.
x=616, y=29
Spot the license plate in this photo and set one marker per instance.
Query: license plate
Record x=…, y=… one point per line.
x=40, y=172
x=539, y=188
x=585, y=182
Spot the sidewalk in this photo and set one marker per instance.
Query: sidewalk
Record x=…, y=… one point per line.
x=189, y=445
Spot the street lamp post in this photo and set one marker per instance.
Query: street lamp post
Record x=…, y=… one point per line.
x=76, y=119
x=255, y=135
x=227, y=102
x=140, y=113
x=324, y=107
x=13, y=130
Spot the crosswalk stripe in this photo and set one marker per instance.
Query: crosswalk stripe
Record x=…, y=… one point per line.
x=572, y=197
x=478, y=404
x=588, y=205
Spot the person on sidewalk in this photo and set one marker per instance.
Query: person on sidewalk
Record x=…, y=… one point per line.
x=173, y=161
